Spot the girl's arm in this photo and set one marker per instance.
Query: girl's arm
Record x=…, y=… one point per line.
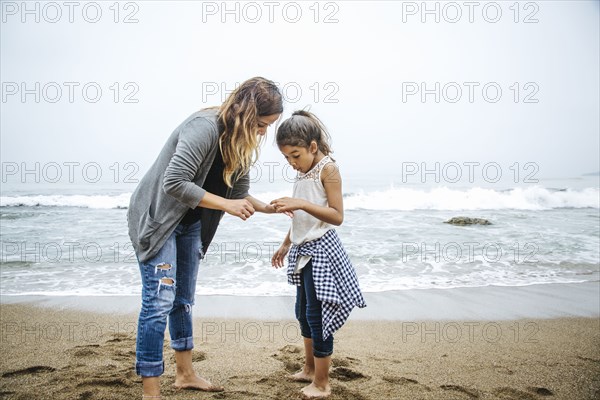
x=279, y=255
x=333, y=213
x=263, y=207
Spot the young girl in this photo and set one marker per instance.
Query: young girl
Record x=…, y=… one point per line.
x=327, y=287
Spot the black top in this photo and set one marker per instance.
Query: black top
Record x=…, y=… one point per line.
x=214, y=184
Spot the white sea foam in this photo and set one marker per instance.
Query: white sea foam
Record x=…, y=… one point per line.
x=441, y=198
x=86, y=201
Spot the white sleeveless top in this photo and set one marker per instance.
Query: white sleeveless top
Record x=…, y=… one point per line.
x=309, y=187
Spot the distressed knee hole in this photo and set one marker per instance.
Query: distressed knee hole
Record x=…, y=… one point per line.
x=167, y=281
x=162, y=267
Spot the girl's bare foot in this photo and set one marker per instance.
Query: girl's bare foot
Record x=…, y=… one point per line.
x=314, y=392
x=196, y=383
x=303, y=376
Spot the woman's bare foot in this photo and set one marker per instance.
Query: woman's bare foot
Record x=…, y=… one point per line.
x=313, y=392
x=303, y=376
x=196, y=383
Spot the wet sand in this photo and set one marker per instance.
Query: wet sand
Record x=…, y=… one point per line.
x=69, y=349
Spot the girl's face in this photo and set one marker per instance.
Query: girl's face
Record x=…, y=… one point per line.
x=265, y=122
x=301, y=158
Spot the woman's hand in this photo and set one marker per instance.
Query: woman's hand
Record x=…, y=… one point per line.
x=279, y=256
x=239, y=208
x=287, y=204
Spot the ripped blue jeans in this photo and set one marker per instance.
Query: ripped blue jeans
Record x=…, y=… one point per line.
x=168, y=286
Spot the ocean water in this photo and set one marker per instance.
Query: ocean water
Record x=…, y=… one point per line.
x=72, y=239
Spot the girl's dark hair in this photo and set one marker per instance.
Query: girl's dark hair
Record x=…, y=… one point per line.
x=301, y=129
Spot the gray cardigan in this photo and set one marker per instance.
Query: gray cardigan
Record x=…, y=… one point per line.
x=173, y=185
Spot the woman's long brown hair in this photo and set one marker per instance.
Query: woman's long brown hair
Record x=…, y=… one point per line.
x=238, y=124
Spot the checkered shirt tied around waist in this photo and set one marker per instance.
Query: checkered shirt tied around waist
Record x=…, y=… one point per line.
x=336, y=283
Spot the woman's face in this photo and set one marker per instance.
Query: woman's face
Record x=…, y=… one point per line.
x=265, y=122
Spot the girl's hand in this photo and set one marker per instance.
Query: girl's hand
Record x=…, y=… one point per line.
x=287, y=204
x=269, y=209
x=239, y=208
x=279, y=256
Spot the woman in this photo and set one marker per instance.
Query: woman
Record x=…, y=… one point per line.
x=201, y=172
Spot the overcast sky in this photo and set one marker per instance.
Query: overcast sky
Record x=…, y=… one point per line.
x=503, y=83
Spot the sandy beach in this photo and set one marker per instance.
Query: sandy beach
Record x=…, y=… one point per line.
x=69, y=349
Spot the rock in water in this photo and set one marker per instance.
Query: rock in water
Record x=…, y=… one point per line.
x=467, y=221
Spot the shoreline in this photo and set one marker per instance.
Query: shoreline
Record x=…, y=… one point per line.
x=541, y=301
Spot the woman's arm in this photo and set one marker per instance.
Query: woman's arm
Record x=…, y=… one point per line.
x=241, y=208
x=195, y=141
x=194, y=145
x=333, y=213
